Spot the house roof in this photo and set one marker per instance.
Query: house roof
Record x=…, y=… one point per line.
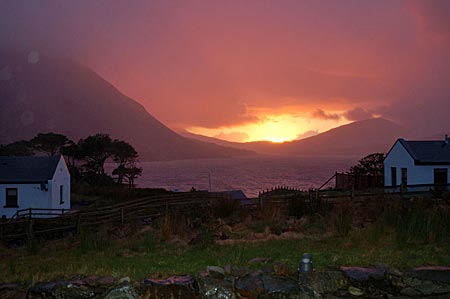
x=233, y=194
x=27, y=169
x=436, y=152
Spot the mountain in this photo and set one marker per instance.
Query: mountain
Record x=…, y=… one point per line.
x=355, y=139
x=42, y=94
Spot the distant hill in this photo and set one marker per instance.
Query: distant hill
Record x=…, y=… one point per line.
x=61, y=96
x=355, y=139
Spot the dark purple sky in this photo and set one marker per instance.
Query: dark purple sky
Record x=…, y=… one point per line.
x=226, y=67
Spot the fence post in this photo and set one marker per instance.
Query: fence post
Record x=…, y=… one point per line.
x=29, y=213
x=122, y=218
x=30, y=234
x=79, y=224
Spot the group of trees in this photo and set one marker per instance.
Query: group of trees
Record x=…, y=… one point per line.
x=85, y=158
x=369, y=165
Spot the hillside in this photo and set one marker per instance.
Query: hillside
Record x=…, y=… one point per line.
x=61, y=96
x=354, y=139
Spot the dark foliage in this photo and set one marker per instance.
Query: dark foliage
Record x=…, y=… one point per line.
x=369, y=165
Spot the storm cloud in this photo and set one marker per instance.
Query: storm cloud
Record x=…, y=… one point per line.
x=214, y=63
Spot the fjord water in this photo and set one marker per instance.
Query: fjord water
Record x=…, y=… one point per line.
x=249, y=174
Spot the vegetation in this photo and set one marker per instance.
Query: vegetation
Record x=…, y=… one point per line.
x=403, y=233
x=369, y=165
x=86, y=158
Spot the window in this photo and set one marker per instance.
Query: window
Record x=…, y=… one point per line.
x=440, y=177
x=11, y=198
x=61, y=194
x=404, y=177
x=393, y=176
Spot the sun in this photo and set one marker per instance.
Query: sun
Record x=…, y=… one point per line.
x=277, y=139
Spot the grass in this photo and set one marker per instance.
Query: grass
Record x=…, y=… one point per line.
x=404, y=234
x=143, y=256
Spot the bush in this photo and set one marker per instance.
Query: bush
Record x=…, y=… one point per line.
x=297, y=207
x=225, y=207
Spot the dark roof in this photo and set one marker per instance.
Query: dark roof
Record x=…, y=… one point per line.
x=436, y=152
x=27, y=169
x=233, y=194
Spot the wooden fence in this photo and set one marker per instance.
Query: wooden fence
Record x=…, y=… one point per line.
x=29, y=223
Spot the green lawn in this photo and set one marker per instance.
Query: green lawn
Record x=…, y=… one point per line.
x=143, y=256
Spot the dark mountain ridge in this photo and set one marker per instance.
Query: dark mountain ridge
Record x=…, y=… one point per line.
x=62, y=96
x=355, y=139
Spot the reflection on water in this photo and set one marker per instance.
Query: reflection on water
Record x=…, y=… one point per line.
x=250, y=174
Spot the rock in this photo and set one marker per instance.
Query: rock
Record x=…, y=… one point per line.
x=355, y=291
x=63, y=290
x=425, y=286
x=280, y=268
x=324, y=281
x=12, y=291
x=436, y=274
x=284, y=288
x=124, y=280
x=240, y=271
x=124, y=291
x=99, y=281
x=228, y=269
x=259, y=260
x=215, y=272
x=250, y=286
x=360, y=273
x=175, y=286
x=213, y=288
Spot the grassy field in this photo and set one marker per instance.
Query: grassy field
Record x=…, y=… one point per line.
x=143, y=256
x=403, y=234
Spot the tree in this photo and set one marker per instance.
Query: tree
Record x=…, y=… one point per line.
x=18, y=148
x=369, y=165
x=131, y=172
x=125, y=156
x=49, y=143
x=72, y=151
x=95, y=150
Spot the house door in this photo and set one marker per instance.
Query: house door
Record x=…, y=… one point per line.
x=393, y=176
x=440, y=177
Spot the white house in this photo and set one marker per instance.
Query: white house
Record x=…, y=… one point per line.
x=417, y=165
x=33, y=182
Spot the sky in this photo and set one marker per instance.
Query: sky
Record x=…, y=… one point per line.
x=255, y=70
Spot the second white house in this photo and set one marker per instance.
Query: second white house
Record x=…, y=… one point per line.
x=417, y=165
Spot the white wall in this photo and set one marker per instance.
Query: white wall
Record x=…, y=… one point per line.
x=61, y=177
x=28, y=196
x=417, y=174
x=31, y=195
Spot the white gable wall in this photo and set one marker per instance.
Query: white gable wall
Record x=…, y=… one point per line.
x=61, y=177
x=417, y=174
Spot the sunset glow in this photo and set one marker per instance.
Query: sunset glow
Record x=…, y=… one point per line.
x=274, y=128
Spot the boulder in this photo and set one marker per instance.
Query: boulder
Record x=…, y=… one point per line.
x=324, y=282
x=173, y=287
x=213, y=288
x=61, y=290
x=426, y=282
x=123, y=291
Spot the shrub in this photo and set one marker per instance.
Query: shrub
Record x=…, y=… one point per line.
x=225, y=207
x=297, y=207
